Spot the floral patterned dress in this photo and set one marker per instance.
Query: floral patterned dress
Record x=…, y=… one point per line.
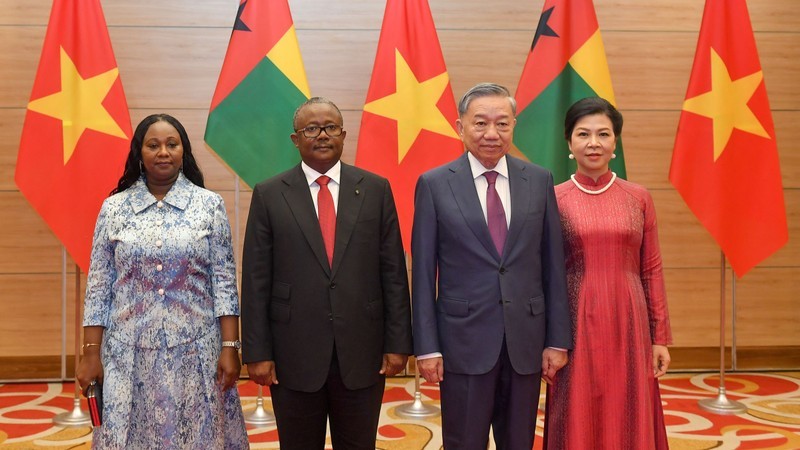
x=161, y=274
x=607, y=397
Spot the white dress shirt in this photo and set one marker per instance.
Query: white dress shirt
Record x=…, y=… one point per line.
x=334, y=173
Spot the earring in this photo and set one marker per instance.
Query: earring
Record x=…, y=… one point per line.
x=141, y=167
x=571, y=156
x=613, y=155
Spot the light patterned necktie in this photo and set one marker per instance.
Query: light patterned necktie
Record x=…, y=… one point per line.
x=327, y=216
x=495, y=214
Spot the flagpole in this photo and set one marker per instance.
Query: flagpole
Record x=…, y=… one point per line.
x=416, y=409
x=721, y=404
x=63, y=313
x=77, y=417
x=259, y=416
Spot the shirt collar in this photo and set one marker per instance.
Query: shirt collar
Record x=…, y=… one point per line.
x=478, y=169
x=178, y=195
x=335, y=173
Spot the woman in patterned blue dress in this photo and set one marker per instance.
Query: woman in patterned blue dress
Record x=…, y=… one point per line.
x=161, y=329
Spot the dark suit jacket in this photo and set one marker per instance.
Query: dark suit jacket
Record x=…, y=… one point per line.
x=294, y=307
x=483, y=296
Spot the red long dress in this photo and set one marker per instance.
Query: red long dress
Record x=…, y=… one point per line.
x=606, y=397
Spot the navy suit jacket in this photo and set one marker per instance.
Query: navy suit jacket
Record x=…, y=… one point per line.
x=482, y=296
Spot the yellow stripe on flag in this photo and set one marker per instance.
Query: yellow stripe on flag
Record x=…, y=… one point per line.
x=591, y=64
x=286, y=56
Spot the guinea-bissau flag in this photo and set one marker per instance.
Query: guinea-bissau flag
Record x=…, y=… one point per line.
x=75, y=138
x=725, y=161
x=567, y=62
x=261, y=84
x=408, y=125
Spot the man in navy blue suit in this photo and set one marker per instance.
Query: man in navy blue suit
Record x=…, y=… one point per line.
x=487, y=238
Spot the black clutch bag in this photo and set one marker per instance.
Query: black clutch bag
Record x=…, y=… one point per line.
x=94, y=394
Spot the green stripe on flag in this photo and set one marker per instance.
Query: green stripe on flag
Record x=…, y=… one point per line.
x=250, y=128
x=539, y=133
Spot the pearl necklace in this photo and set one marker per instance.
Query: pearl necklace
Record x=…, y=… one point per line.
x=599, y=191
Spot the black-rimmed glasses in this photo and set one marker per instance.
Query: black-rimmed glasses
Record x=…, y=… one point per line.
x=313, y=131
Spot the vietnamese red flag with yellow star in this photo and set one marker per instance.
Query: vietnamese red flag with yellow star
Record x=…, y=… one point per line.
x=408, y=125
x=77, y=128
x=725, y=161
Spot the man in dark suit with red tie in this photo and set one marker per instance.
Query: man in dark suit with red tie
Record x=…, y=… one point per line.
x=325, y=302
x=490, y=311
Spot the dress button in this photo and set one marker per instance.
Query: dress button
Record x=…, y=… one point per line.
x=333, y=285
x=159, y=267
x=160, y=204
x=502, y=270
x=159, y=222
x=161, y=291
x=159, y=243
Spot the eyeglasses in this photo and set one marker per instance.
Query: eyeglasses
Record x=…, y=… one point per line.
x=313, y=131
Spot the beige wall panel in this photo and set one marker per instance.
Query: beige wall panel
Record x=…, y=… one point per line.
x=176, y=13
x=169, y=67
x=693, y=297
x=31, y=312
x=787, y=256
x=339, y=63
x=766, y=15
x=684, y=242
x=497, y=57
x=766, y=307
x=650, y=70
x=778, y=53
x=10, y=132
x=26, y=243
x=648, y=137
x=788, y=146
x=20, y=48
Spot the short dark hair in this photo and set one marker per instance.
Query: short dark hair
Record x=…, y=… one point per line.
x=312, y=101
x=133, y=165
x=485, y=90
x=590, y=106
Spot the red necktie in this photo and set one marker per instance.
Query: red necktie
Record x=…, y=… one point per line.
x=495, y=214
x=327, y=216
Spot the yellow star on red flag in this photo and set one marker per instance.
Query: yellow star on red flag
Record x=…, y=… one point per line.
x=726, y=104
x=413, y=106
x=79, y=104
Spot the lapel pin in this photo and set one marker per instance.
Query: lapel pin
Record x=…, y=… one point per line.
x=358, y=191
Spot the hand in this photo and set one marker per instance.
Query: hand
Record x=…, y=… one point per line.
x=228, y=368
x=552, y=361
x=89, y=368
x=393, y=363
x=661, y=360
x=262, y=372
x=432, y=369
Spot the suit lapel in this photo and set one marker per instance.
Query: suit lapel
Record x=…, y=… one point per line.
x=351, y=197
x=298, y=198
x=519, y=184
x=463, y=187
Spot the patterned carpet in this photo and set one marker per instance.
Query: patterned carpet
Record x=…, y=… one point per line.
x=772, y=420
